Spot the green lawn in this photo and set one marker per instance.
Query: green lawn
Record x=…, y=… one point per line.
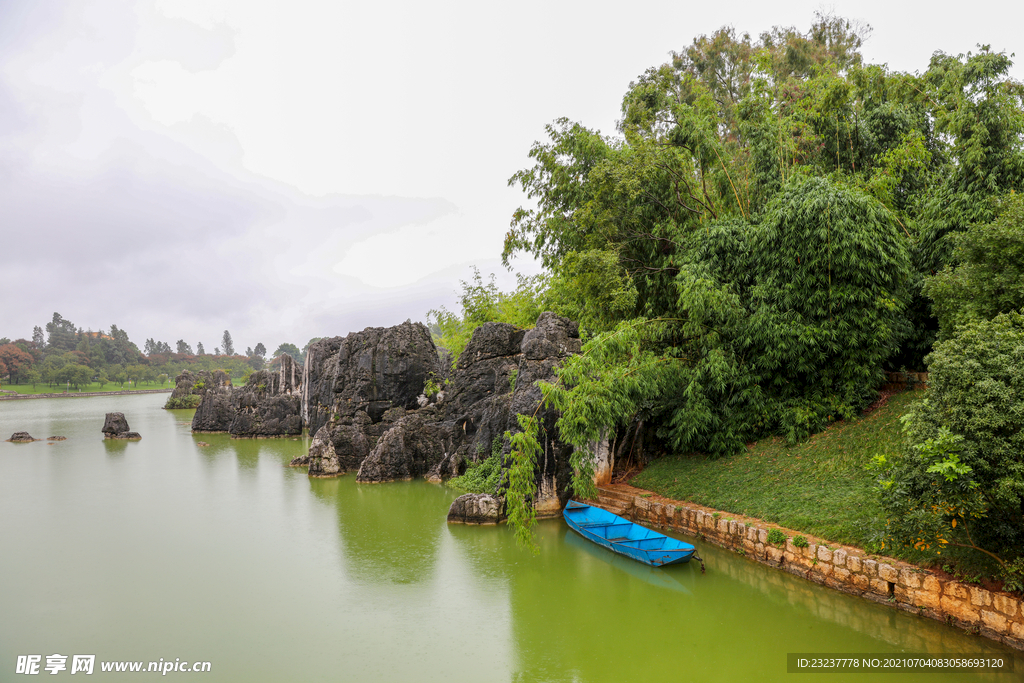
x=819, y=487
x=109, y=386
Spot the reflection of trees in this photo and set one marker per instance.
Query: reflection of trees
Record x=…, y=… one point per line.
x=390, y=533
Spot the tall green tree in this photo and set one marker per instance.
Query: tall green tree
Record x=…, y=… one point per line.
x=227, y=344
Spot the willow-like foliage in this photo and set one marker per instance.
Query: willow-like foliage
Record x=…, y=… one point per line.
x=522, y=484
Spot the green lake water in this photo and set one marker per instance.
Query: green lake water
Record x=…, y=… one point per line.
x=137, y=551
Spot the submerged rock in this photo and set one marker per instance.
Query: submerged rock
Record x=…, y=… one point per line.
x=477, y=508
x=21, y=437
x=56, y=438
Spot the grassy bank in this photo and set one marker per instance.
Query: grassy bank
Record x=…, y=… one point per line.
x=84, y=389
x=819, y=487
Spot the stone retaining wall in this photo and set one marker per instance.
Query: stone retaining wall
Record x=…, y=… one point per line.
x=999, y=616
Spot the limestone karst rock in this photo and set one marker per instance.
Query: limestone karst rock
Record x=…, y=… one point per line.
x=115, y=426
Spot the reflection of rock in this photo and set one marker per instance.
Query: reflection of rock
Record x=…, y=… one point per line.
x=115, y=426
x=477, y=508
x=202, y=443
x=216, y=410
x=21, y=437
x=358, y=386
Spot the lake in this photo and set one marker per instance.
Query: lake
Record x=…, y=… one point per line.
x=162, y=549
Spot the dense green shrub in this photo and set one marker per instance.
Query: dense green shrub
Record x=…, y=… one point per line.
x=960, y=480
x=831, y=271
x=182, y=402
x=483, y=476
x=989, y=276
x=479, y=477
x=481, y=303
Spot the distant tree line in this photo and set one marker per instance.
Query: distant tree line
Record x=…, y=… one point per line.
x=63, y=354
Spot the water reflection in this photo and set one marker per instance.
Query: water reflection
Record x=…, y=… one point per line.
x=115, y=446
x=223, y=553
x=573, y=599
x=661, y=577
x=390, y=533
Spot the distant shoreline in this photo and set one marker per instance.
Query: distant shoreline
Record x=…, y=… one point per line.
x=15, y=397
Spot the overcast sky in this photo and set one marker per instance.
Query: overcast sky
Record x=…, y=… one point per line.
x=310, y=168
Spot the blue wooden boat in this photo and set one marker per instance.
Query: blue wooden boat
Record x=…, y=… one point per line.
x=625, y=537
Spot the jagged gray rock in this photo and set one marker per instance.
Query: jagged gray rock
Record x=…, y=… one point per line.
x=409, y=449
x=115, y=426
x=362, y=397
x=216, y=410
x=477, y=508
x=322, y=459
x=359, y=385
x=268, y=404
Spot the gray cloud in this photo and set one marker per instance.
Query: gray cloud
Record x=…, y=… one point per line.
x=108, y=223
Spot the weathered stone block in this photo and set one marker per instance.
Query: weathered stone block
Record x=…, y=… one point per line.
x=853, y=563
x=839, y=558
x=774, y=554
x=871, y=568
x=824, y=554
x=994, y=620
x=1005, y=604
x=860, y=581
x=932, y=584
x=910, y=578
x=958, y=609
x=957, y=590
x=888, y=573
x=879, y=586
x=927, y=599
x=980, y=597
x=762, y=535
x=1017, y=628
x=841, y=574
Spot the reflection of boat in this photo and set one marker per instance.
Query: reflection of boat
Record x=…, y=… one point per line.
x=625, y=537
x=660, y=578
